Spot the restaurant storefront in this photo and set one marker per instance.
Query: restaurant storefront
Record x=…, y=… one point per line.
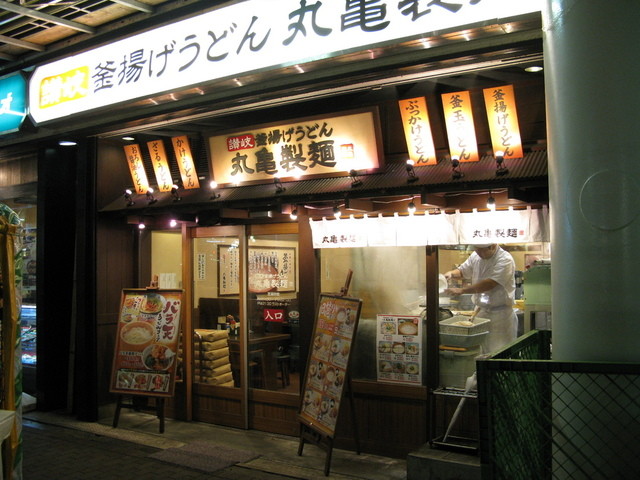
x=253, y=251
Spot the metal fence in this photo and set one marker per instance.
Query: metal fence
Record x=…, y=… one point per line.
x=541, y=419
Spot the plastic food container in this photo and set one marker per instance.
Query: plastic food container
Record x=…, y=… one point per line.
x=480, y=325
x=454, y=340
x=457, y=366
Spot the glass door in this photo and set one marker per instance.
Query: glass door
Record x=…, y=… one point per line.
x=219, y=372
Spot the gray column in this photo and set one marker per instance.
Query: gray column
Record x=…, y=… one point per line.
x=592, y=75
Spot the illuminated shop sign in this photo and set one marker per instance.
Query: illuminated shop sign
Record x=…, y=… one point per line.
x=182, y=149
x=13, y=102
x=460, y=128
x=160, y=165
x=136, y=167
x=417, y=131
x=244, y=37
x=503, y=121
x=297, y=148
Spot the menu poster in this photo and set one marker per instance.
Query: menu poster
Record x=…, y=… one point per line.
x=399, y=352
x=146, y=346
x=333, y=334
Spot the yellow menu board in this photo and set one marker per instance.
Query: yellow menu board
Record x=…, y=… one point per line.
x=146, y=346
x=333, y=335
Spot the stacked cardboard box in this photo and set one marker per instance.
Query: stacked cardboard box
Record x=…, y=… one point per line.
x=211, y=354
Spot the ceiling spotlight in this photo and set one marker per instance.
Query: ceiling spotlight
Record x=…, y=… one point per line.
x=456, y=173
x=150, y=198
x=141, y=225
x=533, y=69
x=128, y=139
x=213, y=185
x=174, y=193
x=500, y=168
x=411, y=208
x=127, y=198
x=411, y=173
x=294, y=214
x=355, y=181
x=278, y=183
x=67, y=143
x=173, y=223
x=336, y=212
x=491, y=203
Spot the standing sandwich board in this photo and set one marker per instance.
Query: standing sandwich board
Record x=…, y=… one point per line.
x=146, y=347
x=327, y=371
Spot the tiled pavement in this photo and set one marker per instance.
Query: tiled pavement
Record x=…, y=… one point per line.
x=57, y=447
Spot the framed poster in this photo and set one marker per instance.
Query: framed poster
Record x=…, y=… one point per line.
x=399, y=352
x=146, y=345
x=228, y=270
x=333, y=334
x=271, y=269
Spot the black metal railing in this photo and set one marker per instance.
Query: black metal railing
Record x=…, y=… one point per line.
x=541, y=419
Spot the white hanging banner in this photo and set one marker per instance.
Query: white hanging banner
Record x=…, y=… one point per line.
x=380, y=231
x=341, y=233
x=505, y=226
x=412, y=230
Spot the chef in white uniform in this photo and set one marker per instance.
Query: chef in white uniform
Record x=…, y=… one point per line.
x=491, y=270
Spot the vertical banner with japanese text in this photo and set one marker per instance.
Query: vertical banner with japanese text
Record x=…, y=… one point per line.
x=503, y=121
x=160, y=165
x=136, y=167
x=188, y=172
x=417, y=131
x=146, y=346
x=460, y=128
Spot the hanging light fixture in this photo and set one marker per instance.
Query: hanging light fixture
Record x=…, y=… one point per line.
x=278, y=183
x=336, y=212
x=355, y=181
x=501, y=170
x=150, y=198
x=294, y=214
x=174, y=193
x=411, y=173
x=456, y=173
x=411, y=208
x=491, y=202
x=213, y=185
x=128, y=199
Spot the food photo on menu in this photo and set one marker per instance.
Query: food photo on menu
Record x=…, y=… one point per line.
x=398, y=353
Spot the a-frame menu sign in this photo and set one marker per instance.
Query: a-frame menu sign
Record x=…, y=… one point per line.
x=327, y=376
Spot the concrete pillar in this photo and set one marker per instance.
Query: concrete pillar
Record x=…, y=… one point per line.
x=593, y=113
x=592, y=67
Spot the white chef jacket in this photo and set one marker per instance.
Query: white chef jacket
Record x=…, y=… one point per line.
x=497, y=303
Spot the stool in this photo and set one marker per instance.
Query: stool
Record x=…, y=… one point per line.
x=283, y=367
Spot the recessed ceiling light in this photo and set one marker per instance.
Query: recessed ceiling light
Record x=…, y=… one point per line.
x=128, y=139
x=67, y=143
x=533, y=69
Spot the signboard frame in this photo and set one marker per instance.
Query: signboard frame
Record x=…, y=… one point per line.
x=160, y=348
x=323, y=391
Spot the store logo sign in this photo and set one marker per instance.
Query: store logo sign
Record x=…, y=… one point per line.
x=13, y=102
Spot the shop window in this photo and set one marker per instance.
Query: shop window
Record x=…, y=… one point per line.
x=391, y=282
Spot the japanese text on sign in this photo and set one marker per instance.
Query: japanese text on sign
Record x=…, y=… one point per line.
x=240, y=38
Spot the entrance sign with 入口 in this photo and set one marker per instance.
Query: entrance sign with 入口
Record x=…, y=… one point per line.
x=146, y=346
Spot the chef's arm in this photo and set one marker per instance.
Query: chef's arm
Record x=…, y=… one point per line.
x=455, y=273
x=478, y=287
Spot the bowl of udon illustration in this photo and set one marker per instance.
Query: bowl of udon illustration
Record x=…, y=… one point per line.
x=137, y=335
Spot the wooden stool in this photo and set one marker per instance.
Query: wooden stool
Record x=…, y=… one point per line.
x=283, y=368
